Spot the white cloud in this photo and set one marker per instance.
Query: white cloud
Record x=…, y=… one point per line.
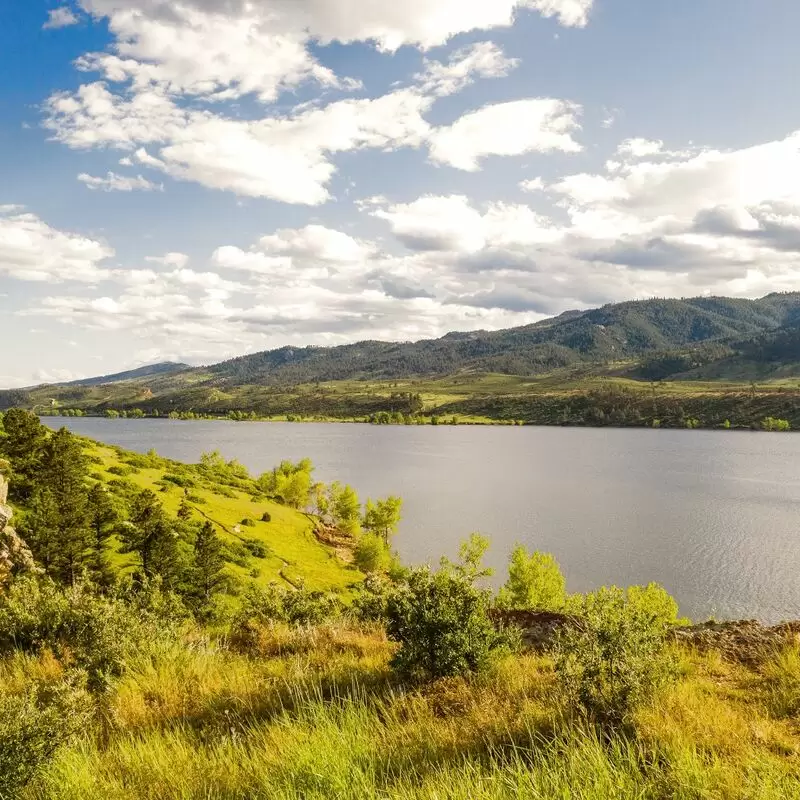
x=316, y=243
x=452, y=224
x=164, y=53
x=33, y=251
x=177, y=260
x=113, y=182
x=289, y=158
x=61, y=17
x=660, y=191
x=225, y=49
x=532, y=185
x=639, y=148
x=481, y=60
x=507, y=129
x=436, y=223
x=423, y=23
x=209, y=53
x=572, y=13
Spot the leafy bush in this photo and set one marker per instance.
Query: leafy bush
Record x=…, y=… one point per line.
x=96, y=634
x=266, y=517
x=261, y=606
x=370, y=604
x=248, y=523
x=179, y=480
x=535, y=582
x=256, y=548
x=33, y=726
x=617, y=656
x=121, y=471
x=371, y=553
x=237, y=553
x=197, y=499
x=772, y=424
x=440, y=620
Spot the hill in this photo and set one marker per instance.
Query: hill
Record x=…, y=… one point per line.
x=620, y=331
x=164, y=368
x=708, y=351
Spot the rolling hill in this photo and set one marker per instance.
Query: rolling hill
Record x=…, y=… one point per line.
x=721, y=343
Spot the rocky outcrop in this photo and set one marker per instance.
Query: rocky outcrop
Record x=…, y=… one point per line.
x=746, y=642
x=15, y=556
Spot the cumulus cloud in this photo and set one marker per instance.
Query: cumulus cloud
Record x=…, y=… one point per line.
x=212, y=52
x=61, y=17
x=112, y=182
x=481, y=60
x=507, y=129
x=177, y=260
x=422, y=23
x=31, y=250
x=532, y=185
x=289, y=158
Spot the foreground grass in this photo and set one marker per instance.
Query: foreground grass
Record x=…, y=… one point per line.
x=315, y=713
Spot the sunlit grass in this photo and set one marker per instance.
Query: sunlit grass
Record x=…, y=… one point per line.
x=316, y=713
x=292, y=548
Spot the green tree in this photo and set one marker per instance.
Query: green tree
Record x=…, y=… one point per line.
x=151, y=537
x=39, y=529
x=184, y=511
x=371, y=553
x=470, y=559
x=772, y=424
x=104, y=519
x=207, y=568
x=64, y=474
x=383, y=517
x=289, y=483
x=535, y=582
x=23, y=445
x=344, y=508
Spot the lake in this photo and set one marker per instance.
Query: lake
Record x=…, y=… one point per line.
x=713, y=516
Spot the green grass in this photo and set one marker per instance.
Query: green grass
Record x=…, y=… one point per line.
x=320, y=717
x=293, y=550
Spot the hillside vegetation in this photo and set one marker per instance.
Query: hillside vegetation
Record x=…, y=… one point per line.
x=130, y=669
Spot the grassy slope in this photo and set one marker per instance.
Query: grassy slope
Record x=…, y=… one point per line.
x=318, y=716
x=293, y=548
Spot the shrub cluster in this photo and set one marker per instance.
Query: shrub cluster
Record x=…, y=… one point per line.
x=616, y=656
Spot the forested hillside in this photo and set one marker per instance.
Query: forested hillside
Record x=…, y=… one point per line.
x=709, y=350
x=616, y=332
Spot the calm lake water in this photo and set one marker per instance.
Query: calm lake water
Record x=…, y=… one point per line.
x=713, y=516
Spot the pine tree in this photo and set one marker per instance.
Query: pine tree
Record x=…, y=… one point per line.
x=104, y=519
x=184, y=511
x=23, y=445
x=150, y=535
x=209, y=563
x=40, y=529
x=64, y=474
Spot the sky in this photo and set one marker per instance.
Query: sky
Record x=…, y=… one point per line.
x=198, y=179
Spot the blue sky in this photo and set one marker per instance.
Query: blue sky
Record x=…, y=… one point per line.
x=198, y=179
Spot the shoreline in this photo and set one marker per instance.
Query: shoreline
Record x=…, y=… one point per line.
x=426, y=422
